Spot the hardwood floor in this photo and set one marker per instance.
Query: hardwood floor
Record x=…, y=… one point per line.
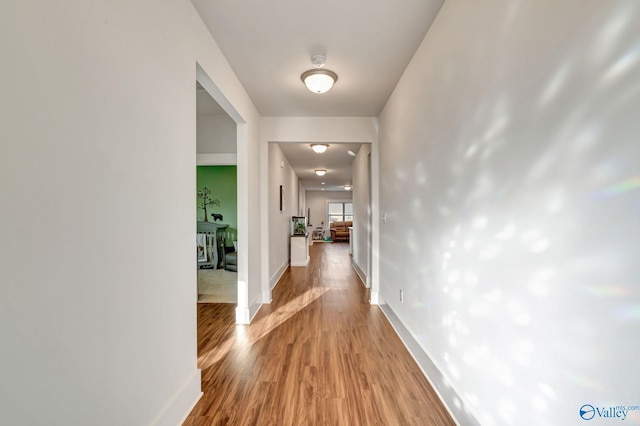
x=319, y=354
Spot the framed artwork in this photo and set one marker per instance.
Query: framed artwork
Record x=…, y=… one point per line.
x=281, y=198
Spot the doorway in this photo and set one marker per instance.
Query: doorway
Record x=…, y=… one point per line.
x=241, y=158
x=217, y=237
x=347, y=181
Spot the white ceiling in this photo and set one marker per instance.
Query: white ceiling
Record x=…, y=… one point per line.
x=269, y=44
x=301, y=157
x=335, y=160
x=368, y=43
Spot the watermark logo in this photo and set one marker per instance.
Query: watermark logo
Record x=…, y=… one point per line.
x=587, y=412
x=619, y=412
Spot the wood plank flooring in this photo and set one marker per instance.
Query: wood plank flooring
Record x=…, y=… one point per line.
x=319, y=354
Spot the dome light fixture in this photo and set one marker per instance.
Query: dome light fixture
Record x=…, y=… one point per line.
x=319, y=147
x=348, y=187
x=319, y=80
x=320, y=172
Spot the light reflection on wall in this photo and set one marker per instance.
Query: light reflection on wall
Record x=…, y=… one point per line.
x=517, y=238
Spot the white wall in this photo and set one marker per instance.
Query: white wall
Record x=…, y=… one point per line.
x=280, y=173
x=318, y=129
x=302, y=202
x=509, y=161
x=317, y=202
x=216, y=134
x=361, y=211
x=97, y=178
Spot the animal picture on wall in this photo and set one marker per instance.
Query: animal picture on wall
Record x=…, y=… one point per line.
x=206, y=201
x=216, y=217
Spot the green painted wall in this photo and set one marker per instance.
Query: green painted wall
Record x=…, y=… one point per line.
x=223, y=183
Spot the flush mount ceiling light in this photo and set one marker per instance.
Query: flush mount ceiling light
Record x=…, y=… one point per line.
x=319, y=80
x=351, y=153
x=320, y=172
x=348, y=187
x=319, y=147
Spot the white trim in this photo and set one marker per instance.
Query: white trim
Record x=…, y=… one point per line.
x=374, y=297
x=180, y=405
x=332, y=130
x=216, y=159
x=254, y=308
x=374, y=205
x=241, y=157
x=453, y=403
x=212, y=89
x=242, y=310
x=305, y=263
x=193, y=404
x=275, y=278
x=343, y=202
x=360, y=272
x=265, y=232
x=242, y=315
x=243, y=224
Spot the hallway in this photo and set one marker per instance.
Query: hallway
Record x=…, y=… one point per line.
x=319, y=354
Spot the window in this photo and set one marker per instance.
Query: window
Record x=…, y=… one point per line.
x=340, y=211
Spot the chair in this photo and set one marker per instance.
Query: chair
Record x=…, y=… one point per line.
x=340, y=230
x=231, y=258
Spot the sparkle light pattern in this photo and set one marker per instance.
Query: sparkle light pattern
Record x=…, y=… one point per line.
x=517, y=243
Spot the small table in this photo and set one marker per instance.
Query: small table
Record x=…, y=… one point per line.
x=318, y=234
x=299, y=250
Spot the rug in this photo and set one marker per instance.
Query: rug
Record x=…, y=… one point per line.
x=217, y=286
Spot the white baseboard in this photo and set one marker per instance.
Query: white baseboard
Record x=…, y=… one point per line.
x=305, y=263
x=449, y=397
x=179, y=407
x=245, y=315
x=360, y=272
x=278, y=274
x=254, y=308
x=267, y=296
x=242, y=315
x=374, y=297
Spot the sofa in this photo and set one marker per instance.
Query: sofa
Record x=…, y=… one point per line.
x=340, y=230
